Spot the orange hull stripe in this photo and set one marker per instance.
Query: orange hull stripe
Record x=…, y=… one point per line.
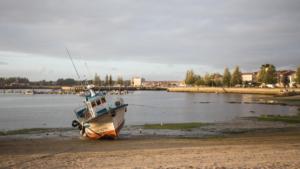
x=93, y=135
x=112, y=133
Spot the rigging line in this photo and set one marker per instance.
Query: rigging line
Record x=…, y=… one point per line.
x=142, y=105
x=89, y=72
x=149, y=107
x=86, y=66
x=73, y=63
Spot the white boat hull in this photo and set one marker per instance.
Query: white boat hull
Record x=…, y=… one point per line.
x=105, y=126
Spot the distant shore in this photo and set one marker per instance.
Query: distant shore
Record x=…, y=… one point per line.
x=59, y=90
x=266, y=91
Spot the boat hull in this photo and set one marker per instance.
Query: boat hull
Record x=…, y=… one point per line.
x=105, y=126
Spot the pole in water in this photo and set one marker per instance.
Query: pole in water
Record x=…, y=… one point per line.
x=73, y=63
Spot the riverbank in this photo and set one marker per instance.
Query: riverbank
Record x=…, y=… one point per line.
x=168, y=130
x=264, y=91
x=275, y=149
x=240, y=143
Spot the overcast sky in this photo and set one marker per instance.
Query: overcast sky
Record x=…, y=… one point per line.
x=155, y=39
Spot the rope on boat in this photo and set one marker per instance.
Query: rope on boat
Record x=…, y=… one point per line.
x=142, y=105
x=148, y=106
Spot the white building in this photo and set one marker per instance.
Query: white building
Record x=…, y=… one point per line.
x=248, y=77
x=137, y=81
x=290, y=75
x=292, y=78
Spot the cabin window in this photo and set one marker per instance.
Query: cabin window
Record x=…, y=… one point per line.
x=98, y=102
x=103, y=100
x=93, y=104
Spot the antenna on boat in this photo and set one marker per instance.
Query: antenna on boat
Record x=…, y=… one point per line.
x=73, y=63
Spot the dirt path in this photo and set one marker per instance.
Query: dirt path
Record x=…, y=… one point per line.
x=252, y=150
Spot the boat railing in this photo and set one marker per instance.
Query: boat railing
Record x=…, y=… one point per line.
x=89, y=97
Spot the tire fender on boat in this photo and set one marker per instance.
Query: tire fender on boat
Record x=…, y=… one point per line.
x=113, y=113
x=75, y=123
x=83, y=130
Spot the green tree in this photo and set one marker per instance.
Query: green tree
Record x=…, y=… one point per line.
x=106, y=80
x=216, y=79
x=285, y=81
x=2, y=81
x=120, y=81
x=110, y=81
x=97, y=80
x=68, y=81
x=236, y=77
x=267, y=74
x=207, y=80
x=226, y=77
x=190, y=77
x=16, y=80
x=298, y=75
x=199, y=81
x=127, y=82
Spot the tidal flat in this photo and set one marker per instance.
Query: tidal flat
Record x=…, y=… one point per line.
x=238, y=145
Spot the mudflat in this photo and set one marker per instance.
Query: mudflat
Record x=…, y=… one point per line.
x=258, y=149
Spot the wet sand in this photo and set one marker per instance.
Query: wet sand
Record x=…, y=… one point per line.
x=277, y=147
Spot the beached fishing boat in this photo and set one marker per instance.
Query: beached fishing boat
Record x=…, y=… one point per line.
x=100, y=117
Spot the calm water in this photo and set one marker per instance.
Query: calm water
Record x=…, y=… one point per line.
x=22, y=111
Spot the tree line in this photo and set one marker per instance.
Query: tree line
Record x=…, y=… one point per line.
x=13, y=80
x=22, y=81
x=108, y=81
x=267, y=75
x=215, y=79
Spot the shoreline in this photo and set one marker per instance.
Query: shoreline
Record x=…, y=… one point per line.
x=257, y=149
x=263, y=91
x=201, y=130
x=241, y=143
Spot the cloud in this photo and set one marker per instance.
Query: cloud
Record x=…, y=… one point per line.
x=3, y=63
x=206, y=33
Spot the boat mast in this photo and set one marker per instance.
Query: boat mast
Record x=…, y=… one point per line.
x=73, y=64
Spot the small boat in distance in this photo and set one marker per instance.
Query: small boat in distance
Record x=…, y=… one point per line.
x=100, y=118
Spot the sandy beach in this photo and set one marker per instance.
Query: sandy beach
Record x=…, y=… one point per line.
x=269, y=145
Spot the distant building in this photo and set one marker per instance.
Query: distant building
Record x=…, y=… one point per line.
x=292, y=78
x=181, y=84
x=150, y=84
x=249, y=77
x=19, y=84
x=288, y=75
x=163, y=84
x=137, y=81
x=72, y=88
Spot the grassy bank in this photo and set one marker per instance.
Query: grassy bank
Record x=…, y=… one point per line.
x=291, y=100
x=266, y=91
x=174, y=126
x=286, y=119
x=32, y=131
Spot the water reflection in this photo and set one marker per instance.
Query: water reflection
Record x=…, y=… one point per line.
x=21, y=111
